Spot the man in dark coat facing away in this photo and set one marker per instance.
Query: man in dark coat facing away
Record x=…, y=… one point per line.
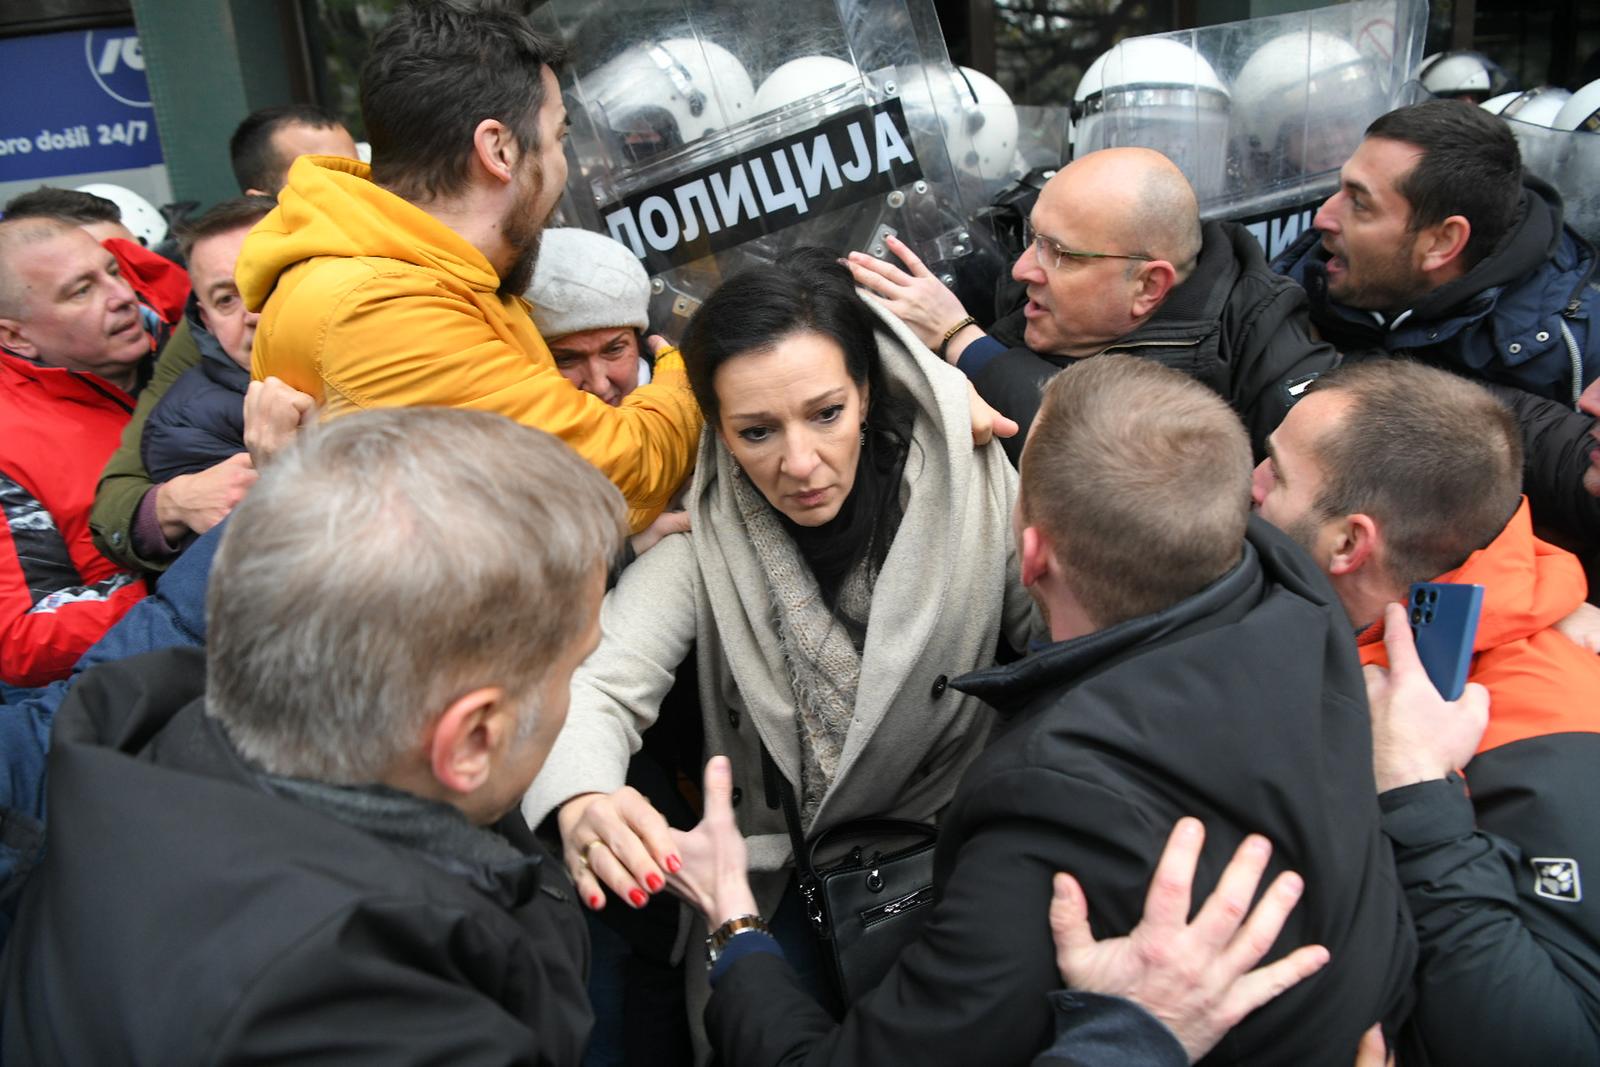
x=302, y=843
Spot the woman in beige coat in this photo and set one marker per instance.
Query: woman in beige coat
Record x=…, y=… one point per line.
x=850, y=552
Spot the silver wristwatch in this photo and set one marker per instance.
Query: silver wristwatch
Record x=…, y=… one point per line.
x=728, y=931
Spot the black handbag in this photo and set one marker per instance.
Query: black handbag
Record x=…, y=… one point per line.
x=868, y=906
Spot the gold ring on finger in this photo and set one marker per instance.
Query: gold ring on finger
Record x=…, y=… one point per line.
x=583, y=853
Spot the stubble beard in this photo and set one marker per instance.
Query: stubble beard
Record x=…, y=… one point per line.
x=1388, y=288
x=523, y=231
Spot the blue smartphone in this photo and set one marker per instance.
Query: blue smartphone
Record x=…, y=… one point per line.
x=1444, y=621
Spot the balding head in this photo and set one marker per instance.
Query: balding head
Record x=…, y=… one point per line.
x=1144, y=199
x=1133, y=216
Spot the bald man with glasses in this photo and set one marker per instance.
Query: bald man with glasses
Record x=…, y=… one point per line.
x=1117, y=259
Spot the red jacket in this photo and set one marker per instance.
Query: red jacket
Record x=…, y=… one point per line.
x=160, y=283
x=58, y=594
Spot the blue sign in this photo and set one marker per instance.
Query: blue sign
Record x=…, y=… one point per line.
x=76, y=103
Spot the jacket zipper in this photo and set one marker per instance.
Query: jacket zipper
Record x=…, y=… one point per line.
x=96, y=386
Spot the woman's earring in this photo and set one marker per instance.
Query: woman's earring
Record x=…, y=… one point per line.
x=863, y=433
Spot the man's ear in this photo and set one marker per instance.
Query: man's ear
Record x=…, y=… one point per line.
x=467, y=738
x=1155, y=280
x=1443, y=243
x=1357, y=544
x=1038, y=555
x=13, y=340
x=495, y=148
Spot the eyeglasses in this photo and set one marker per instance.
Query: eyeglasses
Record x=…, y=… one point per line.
x=1051, y=252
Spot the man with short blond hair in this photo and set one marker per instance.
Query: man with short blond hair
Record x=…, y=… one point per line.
x=1388, y=473
x=1110, y=488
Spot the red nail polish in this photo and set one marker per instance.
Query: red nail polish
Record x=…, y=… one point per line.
x=637, y=897
x=674, y=864
x=654, y=883
x=595, y=902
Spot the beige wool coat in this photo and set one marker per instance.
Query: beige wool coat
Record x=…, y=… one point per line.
x=948, y=590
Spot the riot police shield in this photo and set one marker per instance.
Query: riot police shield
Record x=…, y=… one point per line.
x=712, y=136
x=1259, y=114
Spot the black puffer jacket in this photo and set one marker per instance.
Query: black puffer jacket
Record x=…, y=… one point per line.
x=200, y=422
x=186, y=913
x=1233, y=325
x=1243, y=705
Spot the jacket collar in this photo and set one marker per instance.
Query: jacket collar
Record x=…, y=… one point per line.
x=1192, y=311
x=1532, y=239
x=438, y=832
x=61, y=382
x=1014, y=687
x=217, y=364
x=151, y=708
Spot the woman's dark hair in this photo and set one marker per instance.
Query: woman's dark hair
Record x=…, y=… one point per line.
x=809, y=291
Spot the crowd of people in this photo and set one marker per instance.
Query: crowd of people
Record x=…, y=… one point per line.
x=407, y=656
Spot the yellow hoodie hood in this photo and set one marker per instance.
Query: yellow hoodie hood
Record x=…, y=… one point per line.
x=368, y=301
x=331, y=207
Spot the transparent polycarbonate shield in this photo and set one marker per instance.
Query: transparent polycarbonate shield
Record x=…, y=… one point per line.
x=1260, y=114
x=1570, y=161
x=709, y=137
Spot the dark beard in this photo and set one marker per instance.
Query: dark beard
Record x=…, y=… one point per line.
x=522, y=232
x=517, y=278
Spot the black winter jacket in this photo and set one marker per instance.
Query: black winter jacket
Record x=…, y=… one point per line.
x=1233, y=325
x=185, y=913
x=200, y=422
x=1245, y=706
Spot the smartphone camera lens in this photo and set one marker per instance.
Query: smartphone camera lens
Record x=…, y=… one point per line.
x=1418, y=596
x=1416, y=616
x=1433, y=596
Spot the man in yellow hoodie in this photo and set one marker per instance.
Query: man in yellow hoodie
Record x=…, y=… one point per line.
x=400, y=284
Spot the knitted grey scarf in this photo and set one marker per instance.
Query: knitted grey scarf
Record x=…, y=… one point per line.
x=824, y=665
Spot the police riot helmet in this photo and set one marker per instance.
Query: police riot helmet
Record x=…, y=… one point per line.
x=984, y=139
x=1155, y=93
x=1582, y=112
x=1538, y=106
x=138, y=214
x=1462, y=76
x=800, y=79
x=1306, y=97
x=658, y=96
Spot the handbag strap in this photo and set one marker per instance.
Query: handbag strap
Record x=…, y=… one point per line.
x=775, y=782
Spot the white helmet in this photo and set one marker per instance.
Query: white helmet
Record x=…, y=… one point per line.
x=1582, y=112
x=801, y=78
x=1307, y=95
x=655, y=97
x=138, y=214
x=1461, y=74
x=1153, y=92
x=1144, y=63
x=1538, y=106
x=984, y=140
x=1497, y=104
